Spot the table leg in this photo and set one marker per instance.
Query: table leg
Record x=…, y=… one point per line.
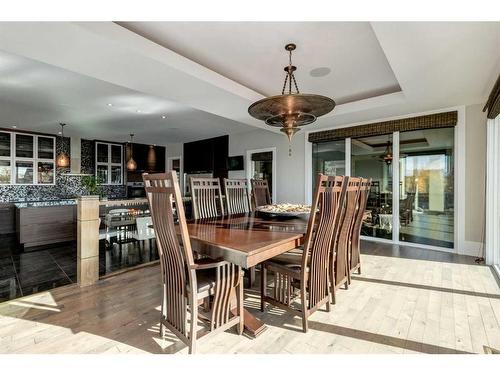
x=253, y=326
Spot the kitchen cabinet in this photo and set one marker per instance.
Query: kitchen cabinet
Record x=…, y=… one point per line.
x=207, y=155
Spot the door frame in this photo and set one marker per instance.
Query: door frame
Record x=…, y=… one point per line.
x=274, y=166
x=492, y=252
x=181, y=169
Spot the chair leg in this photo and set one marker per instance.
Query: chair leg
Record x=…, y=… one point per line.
x=263, y=284
x=239, y=303
x=305, y=312
x=193, y=325
x=161, y=312
x=332, y=284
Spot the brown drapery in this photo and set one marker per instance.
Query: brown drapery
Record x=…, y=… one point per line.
x=434, y=121
x=493, y=103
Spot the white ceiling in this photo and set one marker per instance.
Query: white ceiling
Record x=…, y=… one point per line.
x=38, y=96
x=207, y=74
x=253, y=54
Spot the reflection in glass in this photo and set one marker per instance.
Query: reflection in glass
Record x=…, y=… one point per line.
x=426, y=187
x=328, y=158
x=45, y=148
x=24, y=146
x=5, y=171
x=371, y=157
x=102, y=153
x=4, y=144
x=102, y=174
x=116, y=175
x=24, y=172
x=116, y=154
x=45, y=173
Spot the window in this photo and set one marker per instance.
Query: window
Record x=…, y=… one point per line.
x=26, y=159
x=109, y=163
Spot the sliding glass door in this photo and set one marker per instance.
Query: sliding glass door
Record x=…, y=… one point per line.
x=417, y=205
x=426, y=180
x=371, y=157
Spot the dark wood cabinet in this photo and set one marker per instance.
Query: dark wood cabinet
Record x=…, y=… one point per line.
x=149, y=158
x=207, y=155
x=7, y=218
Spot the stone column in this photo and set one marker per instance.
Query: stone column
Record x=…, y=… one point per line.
x=87, y=240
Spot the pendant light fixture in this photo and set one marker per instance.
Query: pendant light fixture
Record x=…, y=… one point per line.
x=131, y=164
x=387, y=155
x=62, y=159
x=291, y=110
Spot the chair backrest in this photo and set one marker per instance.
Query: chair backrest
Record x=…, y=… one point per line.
x=364, y=191
x=176, y=255
x=260, y=193
x=319, y=236
x=206, y=197
x=345, y=230
x=237, y=198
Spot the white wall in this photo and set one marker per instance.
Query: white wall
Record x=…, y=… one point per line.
x=289, y=169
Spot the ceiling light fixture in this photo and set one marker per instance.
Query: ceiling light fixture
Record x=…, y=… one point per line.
x=62, y=159
x=163, y=116
x=387, y=156
x=131, y=164
x=292, y=110
x=138, y=111
x=14, y=127
x=110, y=105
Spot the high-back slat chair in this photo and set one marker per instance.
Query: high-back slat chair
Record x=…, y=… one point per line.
x=184, y=281
x=206, y=197
x=260, y=193
x=354, y=249
x=340, y=269
x=237, y=198
x=310, y=273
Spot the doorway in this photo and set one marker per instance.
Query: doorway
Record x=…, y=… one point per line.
x=261, y=164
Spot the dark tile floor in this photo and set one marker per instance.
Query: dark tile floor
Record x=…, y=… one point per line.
x=27, y=272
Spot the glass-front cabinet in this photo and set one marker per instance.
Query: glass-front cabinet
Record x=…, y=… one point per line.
x=26, y=159
x=109, y=163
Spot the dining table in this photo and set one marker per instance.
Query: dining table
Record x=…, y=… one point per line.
x=247, y=240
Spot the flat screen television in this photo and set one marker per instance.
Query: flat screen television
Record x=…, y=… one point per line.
x=235, y=163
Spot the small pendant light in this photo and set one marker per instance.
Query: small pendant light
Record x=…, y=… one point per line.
x=131, y=164
x=62, y=159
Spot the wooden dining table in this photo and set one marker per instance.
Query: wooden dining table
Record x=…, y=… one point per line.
x=247, y=240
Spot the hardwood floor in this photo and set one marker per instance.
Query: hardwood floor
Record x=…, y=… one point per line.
x=406, y=300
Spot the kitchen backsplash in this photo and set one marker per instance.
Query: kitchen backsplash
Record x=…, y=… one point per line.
x=66, y=186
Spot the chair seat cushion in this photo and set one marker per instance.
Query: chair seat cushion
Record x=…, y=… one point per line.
x=291, y=259
x=206, y=281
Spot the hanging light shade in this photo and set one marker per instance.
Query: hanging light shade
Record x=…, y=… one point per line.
x=131, y=164
x=291, y=110
x=62, y=160
x=387, y=157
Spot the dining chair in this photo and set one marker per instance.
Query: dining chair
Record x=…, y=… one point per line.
x=206, y=197
x=339, y=270
x=260, y=193
x=307, y=269
x=185, y=281
x=237, y=198
x=354, y=248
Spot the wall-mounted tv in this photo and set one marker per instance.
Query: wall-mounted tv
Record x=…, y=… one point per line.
x=235, y=163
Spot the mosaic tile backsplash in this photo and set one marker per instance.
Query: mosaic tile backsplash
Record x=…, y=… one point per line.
x=65, y=186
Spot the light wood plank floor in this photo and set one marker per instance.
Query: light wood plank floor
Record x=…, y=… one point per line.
x=405, y=301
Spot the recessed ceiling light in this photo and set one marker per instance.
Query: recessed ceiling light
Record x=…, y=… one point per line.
x=320, y=72
x=59, y=133
x=14, y=127
x=138, y=111
x=163, y=116
x=110, y=105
